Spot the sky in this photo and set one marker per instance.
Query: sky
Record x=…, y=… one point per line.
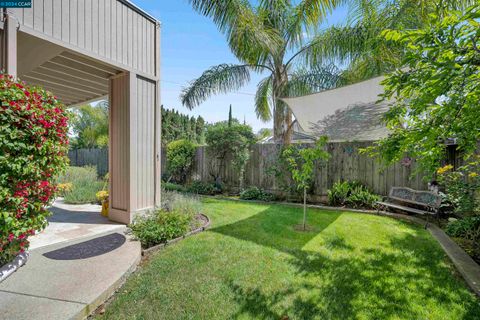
x=190, y=44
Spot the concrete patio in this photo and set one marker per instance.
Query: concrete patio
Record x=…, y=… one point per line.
x=73, y=222
x=74, y=266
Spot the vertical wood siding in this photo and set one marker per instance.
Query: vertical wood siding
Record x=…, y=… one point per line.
x=106, y=28
x=143, y=145
x=119, y=142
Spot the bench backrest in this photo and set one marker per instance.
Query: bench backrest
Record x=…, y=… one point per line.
x=423, y=198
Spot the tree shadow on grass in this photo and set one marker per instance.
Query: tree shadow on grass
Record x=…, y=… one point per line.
x=408, y=279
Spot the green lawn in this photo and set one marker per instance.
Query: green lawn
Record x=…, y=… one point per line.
x=252, y=264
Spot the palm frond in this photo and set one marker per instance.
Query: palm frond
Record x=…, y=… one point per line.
x=247, y=36
x=218, y=79
x=308, y=15
x=263, y=98
x=321, y=78
x=339, y=45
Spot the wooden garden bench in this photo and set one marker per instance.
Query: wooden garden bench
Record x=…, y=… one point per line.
x=418, y=202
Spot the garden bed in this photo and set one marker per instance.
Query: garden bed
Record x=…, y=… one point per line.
x=202, y=220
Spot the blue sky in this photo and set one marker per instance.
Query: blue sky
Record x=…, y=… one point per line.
x=190, y=44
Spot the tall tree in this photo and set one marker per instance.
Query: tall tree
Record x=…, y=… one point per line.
x=359, y=44
x=266, y=38
x=90, y=125
x=436, y=93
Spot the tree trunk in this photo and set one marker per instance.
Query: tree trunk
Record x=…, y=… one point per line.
x=287, y=138
x=278, y=122
x=304, y=209
x=281, y=110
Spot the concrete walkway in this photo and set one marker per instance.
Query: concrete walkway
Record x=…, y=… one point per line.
x=75, y=267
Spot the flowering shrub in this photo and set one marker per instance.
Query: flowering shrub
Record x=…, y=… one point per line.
x=33, y=145
x=462, y=186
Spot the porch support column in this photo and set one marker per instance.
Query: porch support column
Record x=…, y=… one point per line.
x=133, y=151
x=9, y=44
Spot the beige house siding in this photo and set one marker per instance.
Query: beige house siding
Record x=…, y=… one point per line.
x=143, y=146
x=85, y=50
x=109, y=29
x=119, y=133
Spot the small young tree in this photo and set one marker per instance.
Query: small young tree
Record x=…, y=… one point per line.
x=301, y=163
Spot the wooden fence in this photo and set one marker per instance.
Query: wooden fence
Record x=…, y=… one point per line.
x=90, y=157
x=345, y=163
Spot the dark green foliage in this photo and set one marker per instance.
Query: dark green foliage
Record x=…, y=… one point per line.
x=204, y=188
x=435, y=93
x=254, y=193
x=177, y=126
x=160, y=227
x=180, y=157
x=229, y=143
x=468, y=228
x=169, y=186
x=173, y=220
x=351, y=194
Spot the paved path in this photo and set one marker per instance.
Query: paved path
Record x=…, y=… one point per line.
x=75, y=267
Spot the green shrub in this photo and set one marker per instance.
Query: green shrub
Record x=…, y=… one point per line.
x=33, y=147
x=180, y=157
x=169, y=186
x=85, y=184
x=175, y=219
x=361, y=197
x=351, y=194
x=205, y=188
x=468, y=228
x=254, y=193
x=160, y=226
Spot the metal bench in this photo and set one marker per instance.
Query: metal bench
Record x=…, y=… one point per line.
x=418, y=202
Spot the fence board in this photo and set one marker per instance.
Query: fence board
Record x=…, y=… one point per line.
x=345, y=163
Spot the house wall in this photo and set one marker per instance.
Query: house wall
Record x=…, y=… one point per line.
x=106, y=29
x=133, y=162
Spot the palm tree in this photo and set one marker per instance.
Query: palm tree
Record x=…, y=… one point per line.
x=359, y=43
x=268, y=38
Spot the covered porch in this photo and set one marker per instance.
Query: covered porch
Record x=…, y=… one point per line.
x=112, y=54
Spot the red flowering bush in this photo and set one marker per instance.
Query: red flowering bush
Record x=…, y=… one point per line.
x=33, y=148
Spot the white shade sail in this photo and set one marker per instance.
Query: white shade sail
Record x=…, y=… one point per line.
x=349, y=113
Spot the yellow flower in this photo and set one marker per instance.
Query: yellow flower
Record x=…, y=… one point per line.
x=64, y=188
x=473, y=175
x=444, y=169
x=101, y=196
